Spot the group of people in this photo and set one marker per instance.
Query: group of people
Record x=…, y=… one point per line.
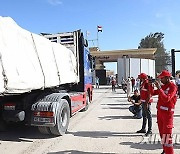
x=130, y=85
x=112, y=81
x=177, y=81
x=167, y=97
x=97, y=82
x=144, y=88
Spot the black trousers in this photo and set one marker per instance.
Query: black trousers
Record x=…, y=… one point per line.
x=113, y=88
x=179, y=90
x=146, y=113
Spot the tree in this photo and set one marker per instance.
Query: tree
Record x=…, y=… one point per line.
x=162, y=58
x=177, y=72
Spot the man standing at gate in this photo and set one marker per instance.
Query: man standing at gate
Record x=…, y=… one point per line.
x=167, y=97
x=145, y=95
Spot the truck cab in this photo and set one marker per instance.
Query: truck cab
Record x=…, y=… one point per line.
x=78, y=45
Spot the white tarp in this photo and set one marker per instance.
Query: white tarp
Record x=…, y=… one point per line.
x=29, y=61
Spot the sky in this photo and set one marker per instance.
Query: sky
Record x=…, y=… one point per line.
x=124, y=22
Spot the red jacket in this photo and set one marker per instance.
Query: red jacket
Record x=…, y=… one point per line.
x=113, y=82
x=167, y=96
x=146, y=91
x=133, y=81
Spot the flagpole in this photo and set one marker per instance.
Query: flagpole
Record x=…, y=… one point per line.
x=86, y=35
x=99, y=29
x=97, y=39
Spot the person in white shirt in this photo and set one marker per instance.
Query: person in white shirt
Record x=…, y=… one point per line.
x=137, y=86
x=129, y=87
x=97, y=82
x=178, y=84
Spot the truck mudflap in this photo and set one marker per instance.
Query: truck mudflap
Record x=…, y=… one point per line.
x=44, y=113
x=51, y=114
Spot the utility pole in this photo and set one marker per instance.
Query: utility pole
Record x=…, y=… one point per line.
x=173, y=61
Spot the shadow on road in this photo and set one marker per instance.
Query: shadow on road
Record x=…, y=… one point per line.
x=117, y=104
x=103, y=134
x=21, y=133
x=116, y=97
x=147, y=146
x=175, y=116
x=100, y=92
x=144, y=146
x=120, y=93
x=115, y=117
x=121, y=108
x=77, y=152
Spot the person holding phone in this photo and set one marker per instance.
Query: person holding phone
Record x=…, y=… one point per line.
x=167, y=98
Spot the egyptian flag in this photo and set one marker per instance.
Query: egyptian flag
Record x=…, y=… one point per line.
x=99, y=28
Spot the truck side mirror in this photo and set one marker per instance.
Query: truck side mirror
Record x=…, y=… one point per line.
x=93, y=63
x=85, y=43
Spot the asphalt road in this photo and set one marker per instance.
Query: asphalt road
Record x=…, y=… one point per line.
x=107, y=127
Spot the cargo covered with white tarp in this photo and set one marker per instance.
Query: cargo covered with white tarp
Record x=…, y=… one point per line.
x=29, y=61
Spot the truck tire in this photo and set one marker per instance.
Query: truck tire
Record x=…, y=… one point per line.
x=44, y=130
x=87, y=103
x=62, y=118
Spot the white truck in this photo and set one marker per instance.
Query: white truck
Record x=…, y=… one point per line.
x=42, y=83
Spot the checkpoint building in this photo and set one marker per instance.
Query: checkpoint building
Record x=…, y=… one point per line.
x=130, y=62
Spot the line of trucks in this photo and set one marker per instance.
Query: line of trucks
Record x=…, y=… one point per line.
x=44, y=79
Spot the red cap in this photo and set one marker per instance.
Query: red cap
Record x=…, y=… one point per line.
x=164, y=73
x=142, y=76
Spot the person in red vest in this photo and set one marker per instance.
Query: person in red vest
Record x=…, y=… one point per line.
x=167, y=97
x=133, y=83
x=113, y=83
x=145, y=95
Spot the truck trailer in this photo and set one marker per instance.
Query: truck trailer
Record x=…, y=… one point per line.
x=45, y=79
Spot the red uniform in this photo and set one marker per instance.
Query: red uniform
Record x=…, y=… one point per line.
x=167, y=97
x=145, y=92
x=113, y=82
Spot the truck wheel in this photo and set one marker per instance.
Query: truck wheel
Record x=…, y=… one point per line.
x=87, y=103
x=44, y=130
x=62, y=118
